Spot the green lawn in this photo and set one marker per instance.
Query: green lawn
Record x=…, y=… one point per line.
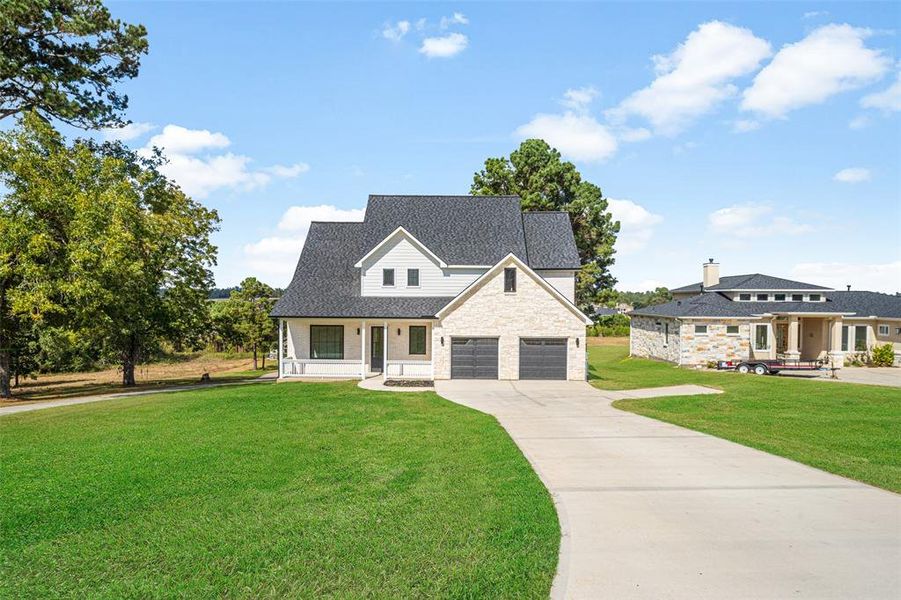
x=289, y=490
x=852, y=430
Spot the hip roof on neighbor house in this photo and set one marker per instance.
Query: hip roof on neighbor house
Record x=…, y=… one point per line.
x=752, y=281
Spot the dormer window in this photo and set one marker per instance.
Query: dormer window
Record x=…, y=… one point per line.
x=797, y=297
x=412, y=277
x=510, y=280
x=744, y=297
x=388, y=277
x=814, y=297
x=779, y=297
x=763, y=297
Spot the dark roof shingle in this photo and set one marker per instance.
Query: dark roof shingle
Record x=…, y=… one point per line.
x=753, y=281
x=549, y=240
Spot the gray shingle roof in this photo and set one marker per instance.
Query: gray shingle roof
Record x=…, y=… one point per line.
x=549, y=240
x=326, y=284
x=714, y=304
x=463, y=230
x=752, y=281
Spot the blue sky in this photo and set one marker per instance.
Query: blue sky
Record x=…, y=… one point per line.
x=764, y=135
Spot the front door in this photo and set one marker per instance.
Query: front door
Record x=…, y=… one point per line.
x=377, y=349
x=781, y=337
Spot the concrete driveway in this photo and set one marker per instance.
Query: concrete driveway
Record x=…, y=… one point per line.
x=651, y=510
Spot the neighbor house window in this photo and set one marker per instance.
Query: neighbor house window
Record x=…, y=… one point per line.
x=510, y=279
x=860, y=338
x=701, y=329
x=327, y=341
x=897, y=330
x=732, y=329
x=797, y=297
x=388, y=277
x=744, y=297
x=883, y=330
x=814, y=297
x=761, y=337
x=844, y=338
x=763, y=297
x=412, y=277
x=417, y=339
x=779, y=297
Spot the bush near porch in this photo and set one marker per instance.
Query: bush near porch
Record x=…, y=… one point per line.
x=843, y=428
x=298, y=490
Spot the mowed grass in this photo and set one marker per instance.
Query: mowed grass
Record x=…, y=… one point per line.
x=289, y=490
x=852, y=430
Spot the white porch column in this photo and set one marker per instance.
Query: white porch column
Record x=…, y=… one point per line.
x=363, y=350
x=385, y=354
x=792, y=350
x=281, y=345
x=836, y=356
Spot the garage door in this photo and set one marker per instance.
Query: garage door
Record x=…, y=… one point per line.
x=542, y=358
x=474, y=358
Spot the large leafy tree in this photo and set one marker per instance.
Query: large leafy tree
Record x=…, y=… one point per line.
x=99, y=243
x=62, y=59
x=536, y=173
x=252, y=302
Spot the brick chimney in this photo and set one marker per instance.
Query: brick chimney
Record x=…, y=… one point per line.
x=711, y=274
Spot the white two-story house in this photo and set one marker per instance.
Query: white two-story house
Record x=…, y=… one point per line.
x=436, y=287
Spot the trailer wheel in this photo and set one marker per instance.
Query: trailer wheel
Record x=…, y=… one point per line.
x=761, y=370
x=744, y=368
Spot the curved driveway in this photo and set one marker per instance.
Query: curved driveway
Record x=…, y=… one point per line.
x=652, y=510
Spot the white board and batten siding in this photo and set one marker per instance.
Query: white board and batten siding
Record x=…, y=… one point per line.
x=401, y=254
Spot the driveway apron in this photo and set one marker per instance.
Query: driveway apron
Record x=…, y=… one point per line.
x=652, y=510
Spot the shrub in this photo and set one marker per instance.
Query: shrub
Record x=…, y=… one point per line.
x=882, y=356
x=610, y=326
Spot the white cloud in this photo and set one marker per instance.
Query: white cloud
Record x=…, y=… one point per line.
x=884, y=277
x=638, y=134
x=745, y=125
x=577, y=136
x=888, y=100
x=859, y=122
x=578, y=99
x=815, y=13
x=276, y=256
x=636, y=225
x=830, y=60
x=195, y=164
x=444, y=46
x=852, y=175
x=127, y=132
x=457, y=18
x=753, y=221
x=695, y=77
x=396, y=32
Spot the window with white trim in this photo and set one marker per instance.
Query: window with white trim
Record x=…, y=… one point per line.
x=744, y=297
x=700, y=330
x=412, y=277
x=510, y=280
x=814, y=297
x=388, y=277
x=731, y=329
x=779, y=297
x=883, y=330
x=761, y=337
x=763, y=297
x=797, y=297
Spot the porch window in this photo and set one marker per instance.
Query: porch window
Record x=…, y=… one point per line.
x=860, y=338
x=797, y=297
x=779, y=297
x=510, y=279
x=700, y=329
x=412, y=277
x=763, y=297
x=731, y=329
x=417, y=339
x=814, y=297
x=388, y=277
x=845, y=334
x=327, y=341
x=744, y=297
x=761, y=337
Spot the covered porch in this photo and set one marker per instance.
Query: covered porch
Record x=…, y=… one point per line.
x=355, y=348
x=802, y=337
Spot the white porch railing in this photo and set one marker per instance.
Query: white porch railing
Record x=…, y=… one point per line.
x=413, y=369
x=292, y=367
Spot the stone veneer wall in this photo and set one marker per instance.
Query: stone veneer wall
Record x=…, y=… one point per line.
x=529, y=312
x=716, y=344
x=647, y=338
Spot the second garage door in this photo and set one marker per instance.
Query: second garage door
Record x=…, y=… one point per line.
x=542, y=358
x=474, y=358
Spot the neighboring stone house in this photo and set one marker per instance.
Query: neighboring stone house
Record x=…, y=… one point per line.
x=436, y=287
x=757, y=316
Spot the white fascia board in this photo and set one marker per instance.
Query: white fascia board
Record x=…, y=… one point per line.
x=526, y=269
x=806, y=314
x=770, y=290
x=409, y=236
